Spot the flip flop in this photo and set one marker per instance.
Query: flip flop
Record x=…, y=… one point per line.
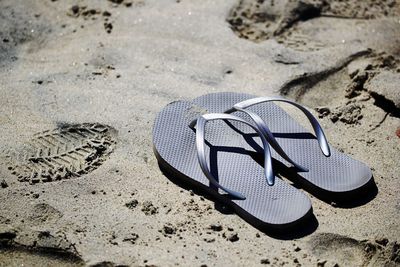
x=214, y=155
x=319, y=168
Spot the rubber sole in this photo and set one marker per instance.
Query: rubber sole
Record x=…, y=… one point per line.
x=230, y=159
x=297, y=229
x=338, y=178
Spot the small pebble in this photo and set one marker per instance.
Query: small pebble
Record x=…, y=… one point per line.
x=3, y=184
x=233, y=237
x=382, y=241
x=216, y=227
x=265, y=261
x=75, y=9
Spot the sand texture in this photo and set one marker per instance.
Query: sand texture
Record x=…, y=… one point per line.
x=81, y=82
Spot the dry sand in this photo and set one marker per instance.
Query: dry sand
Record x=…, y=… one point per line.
x=84, y=80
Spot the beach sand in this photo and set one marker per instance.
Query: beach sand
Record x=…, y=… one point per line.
x=85, y=80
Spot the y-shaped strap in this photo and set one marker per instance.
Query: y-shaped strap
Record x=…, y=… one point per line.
x=241, y=106
x=200, y=143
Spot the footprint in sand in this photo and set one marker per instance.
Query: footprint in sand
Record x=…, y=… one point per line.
x=341, y=249
x=42, y=213
x=22, y=256
x=332, y=249
x=68, y=151
x=266, y=19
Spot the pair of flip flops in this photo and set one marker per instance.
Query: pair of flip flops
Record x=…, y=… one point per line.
x=231, y=144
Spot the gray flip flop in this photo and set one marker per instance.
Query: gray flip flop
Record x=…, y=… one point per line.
x=214, y=155
x=321, y=169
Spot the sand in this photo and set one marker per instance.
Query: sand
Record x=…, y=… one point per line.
x=82, y=81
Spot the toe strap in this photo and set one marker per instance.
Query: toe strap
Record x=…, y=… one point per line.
x=201, y=154
x=242, y=106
